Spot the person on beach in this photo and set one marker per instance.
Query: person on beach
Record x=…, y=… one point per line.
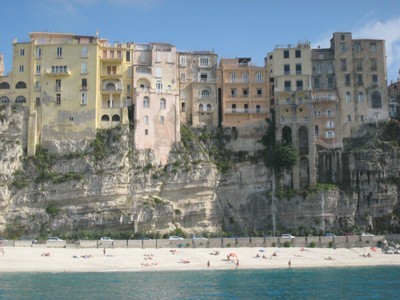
x=104, y=251
x=289, y=263
x=208, y=264
x=2, y=251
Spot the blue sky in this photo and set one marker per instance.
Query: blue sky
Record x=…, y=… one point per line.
x=233, y=28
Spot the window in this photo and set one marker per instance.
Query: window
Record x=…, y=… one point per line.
x=348, y=97
x=330, y=134
x=319, y=68
x=342, y=37
x=374, y=79
x=161, y=119
x=316, y=83
x=300, y=100
x=245, y=93
x=329, y=124
x=245, y=77
x=4, y=99
x=374, y=65
x=38, y=52
x=359, y=65
x=259, y=92
x=183, y=77
x=146, y=120
x=84, y=84
x=376, y=100
x=298, y=68
x=286, y=69
x=111, y=70
x=59, y=52
x=58, y=85
x=128, y=56
x=105, y=118
x=203, y=77
x=146, y=102
x=84, y=52
x=357, y=47
x=37, y=85
x=58, y=99
x=285, y=53
x=233, y=108
x=330, y=67
x=205, y=94
x=342, y=47
x=158, y=56
x=128, y=88
x=146, y=132
x=84, y=68
x=298, y=53
x=21, y=52
x=359, y=79
x=204, y=62
x=21, y=68
x=182, y=61
x=209, y=107
x=169, y=57
x=360, y=97
x=37, y=101
x=20, y=99
x=246, y=108
x=287, y=101
x=233, y=77
x=201, y=108
x=159, y=86
x=233, y=93
x=258, y=108
x=183, y=106
x=331, y=83
x=259, y=77
x=38, y=69
x=362, y=118
x=373, y=47
x=287, y=86
x=163, y=104
x=347, y=79
x=349, y=118
x=20, y=85
x=299, y=85
x=83, y=99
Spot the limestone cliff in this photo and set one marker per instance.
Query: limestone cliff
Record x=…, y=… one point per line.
x=215, y=181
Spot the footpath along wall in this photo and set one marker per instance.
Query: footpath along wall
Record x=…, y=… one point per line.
x=317, y=242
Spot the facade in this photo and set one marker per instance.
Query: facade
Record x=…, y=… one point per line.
x=360, y=71
x=394, y=98
x=244, y=92
x=325, y=101
x=291, y=70
x=156, y=98
x=197, y=71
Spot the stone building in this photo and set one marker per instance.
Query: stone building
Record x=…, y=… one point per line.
x=361, y=84
x=156, y=98
x=290, y=69
x=1, y=64
x=394, y=98
x=244, y=92
x=197, y=71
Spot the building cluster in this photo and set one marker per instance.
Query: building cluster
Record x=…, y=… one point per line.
x=71, y=85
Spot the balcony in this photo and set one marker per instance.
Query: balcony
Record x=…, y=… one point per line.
x=205, y=80
x=245, y=111
x=58, y=71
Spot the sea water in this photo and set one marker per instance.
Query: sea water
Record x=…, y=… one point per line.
x=315, y=283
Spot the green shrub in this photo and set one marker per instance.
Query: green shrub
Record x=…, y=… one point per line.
x=330, y=244
x=312, y=245
x=287, y=244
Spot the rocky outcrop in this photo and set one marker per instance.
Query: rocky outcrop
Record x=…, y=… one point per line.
x=214, y=181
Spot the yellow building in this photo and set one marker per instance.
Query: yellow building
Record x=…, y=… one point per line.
x=244, y=92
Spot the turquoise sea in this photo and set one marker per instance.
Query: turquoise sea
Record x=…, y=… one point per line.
x=316, y=283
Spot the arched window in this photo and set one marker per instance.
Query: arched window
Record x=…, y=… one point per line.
x=20, y=99
x=116, y=118
x=209, y=107
x=4, y=99
x=146, y=102
x=329, y=124
x=105, y=118
x=376, y=100
x=4, y=85
x=110, y=86
x=20, y=85
x=286, y=135
x=205, y=94
x=360, y=97
x=201, y=107
x=329, y=113
x=163, y=103
x=348, y=97
x=303, y=140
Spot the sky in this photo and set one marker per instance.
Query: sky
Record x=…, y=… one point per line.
x=232, y=28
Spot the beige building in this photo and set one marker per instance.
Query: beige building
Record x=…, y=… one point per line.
x=244, y=92
x=156, y=98
x=1, y=64
x=290, y=69
x=197, y=71
x=325, y=101
x=360, y=71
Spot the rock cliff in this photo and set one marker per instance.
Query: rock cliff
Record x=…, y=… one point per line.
x=215, y=181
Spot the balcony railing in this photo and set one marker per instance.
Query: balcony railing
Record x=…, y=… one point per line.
x=245, y=111
x=205, y=80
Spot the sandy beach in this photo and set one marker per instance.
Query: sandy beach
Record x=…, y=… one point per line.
x=26, y=259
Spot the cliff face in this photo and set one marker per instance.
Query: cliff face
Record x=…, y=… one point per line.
x=113, y=188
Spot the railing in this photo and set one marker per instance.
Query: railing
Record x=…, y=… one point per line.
x=245, y=111
x=244, y=81
x=205, y=80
